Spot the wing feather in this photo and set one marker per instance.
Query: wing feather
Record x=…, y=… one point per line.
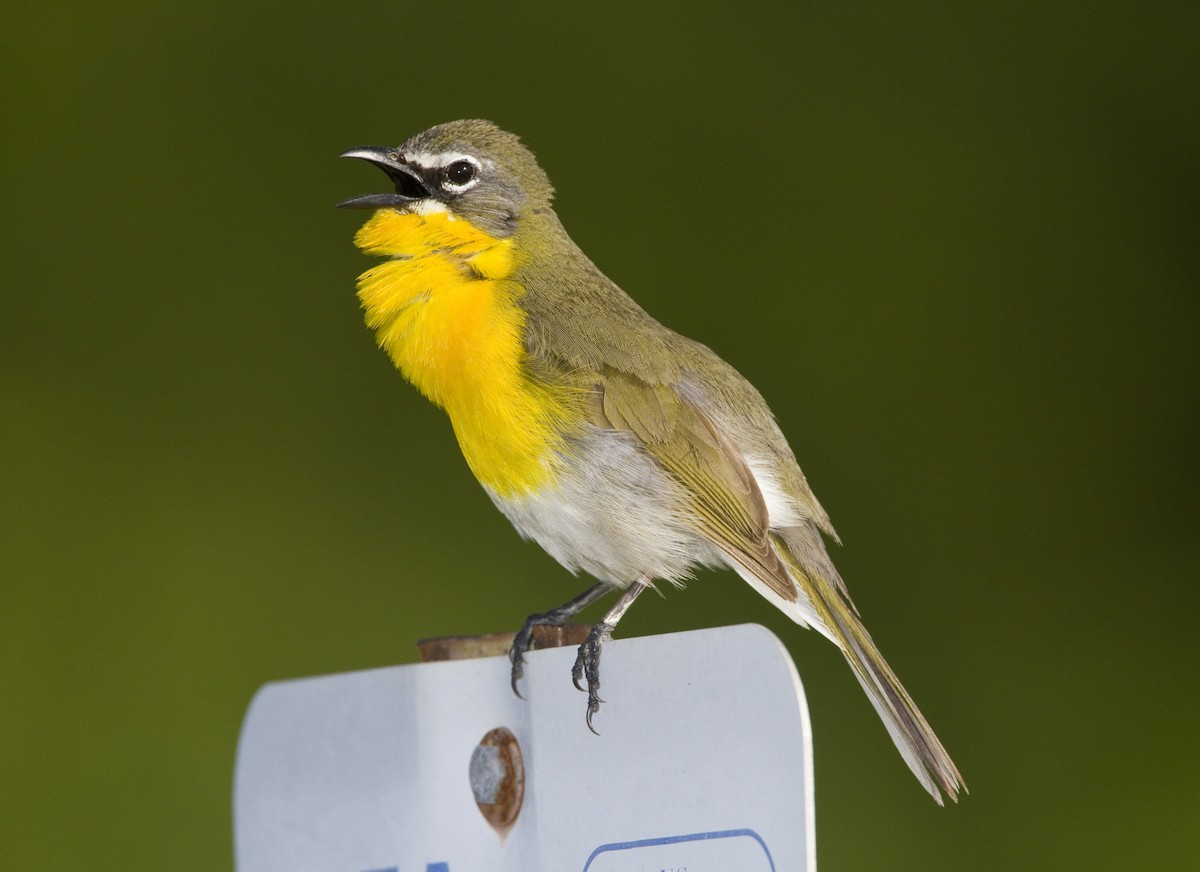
x=724, y=499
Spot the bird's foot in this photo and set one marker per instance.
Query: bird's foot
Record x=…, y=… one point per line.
x=523, y=641
x=587, y=665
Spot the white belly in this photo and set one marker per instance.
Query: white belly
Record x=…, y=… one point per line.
x=614, y=513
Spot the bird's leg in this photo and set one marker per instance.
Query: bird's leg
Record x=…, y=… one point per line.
x=523, y=641
x=587, y=661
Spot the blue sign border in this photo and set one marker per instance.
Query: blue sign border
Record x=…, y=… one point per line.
x=673, y=840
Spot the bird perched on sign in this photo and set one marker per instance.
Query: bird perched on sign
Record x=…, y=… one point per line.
x=621, y=447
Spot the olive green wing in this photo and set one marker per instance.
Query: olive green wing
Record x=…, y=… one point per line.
x=722, y=493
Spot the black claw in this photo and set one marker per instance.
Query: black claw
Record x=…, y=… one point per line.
x=577, y=669
x=587, y=665
x=523, y=640
x=587, y=659
x=516, y=654
x=518, y=670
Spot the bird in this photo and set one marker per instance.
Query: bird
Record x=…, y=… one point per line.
x=624, y=449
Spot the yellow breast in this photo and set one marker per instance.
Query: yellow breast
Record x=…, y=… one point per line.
x=446, y=312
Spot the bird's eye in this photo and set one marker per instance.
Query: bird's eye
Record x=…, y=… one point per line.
x=460, y=173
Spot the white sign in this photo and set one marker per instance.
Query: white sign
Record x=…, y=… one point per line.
x=703, y=764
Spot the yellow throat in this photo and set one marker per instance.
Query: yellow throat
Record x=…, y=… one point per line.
x=445, y=310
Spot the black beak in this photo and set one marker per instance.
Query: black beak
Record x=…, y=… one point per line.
x=409, y=186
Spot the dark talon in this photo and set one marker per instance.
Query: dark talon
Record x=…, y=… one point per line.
x=523, y=641
x=587, y=665
x=517, y=658
x=516, y=654
x=577, y=669
x=587, y=660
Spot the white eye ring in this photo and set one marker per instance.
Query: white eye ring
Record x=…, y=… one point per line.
x=462, y=167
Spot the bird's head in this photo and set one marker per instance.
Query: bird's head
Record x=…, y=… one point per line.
x=471, y=169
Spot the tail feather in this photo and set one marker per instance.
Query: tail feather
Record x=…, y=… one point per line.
x=911, y=733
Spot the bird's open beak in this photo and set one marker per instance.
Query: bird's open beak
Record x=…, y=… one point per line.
x=409, y=186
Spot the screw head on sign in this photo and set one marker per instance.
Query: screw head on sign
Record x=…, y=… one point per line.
x=498, y=778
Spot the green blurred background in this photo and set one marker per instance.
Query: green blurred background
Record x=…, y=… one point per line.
x=956, y=247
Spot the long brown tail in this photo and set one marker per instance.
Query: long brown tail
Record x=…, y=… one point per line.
x=910, y=731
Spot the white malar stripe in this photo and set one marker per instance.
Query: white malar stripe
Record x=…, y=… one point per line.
x=429, y=206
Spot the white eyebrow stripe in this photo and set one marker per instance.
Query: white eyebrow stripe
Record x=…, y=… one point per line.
x=430, y=161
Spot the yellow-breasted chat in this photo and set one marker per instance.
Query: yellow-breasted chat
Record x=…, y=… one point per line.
x=624, y=449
